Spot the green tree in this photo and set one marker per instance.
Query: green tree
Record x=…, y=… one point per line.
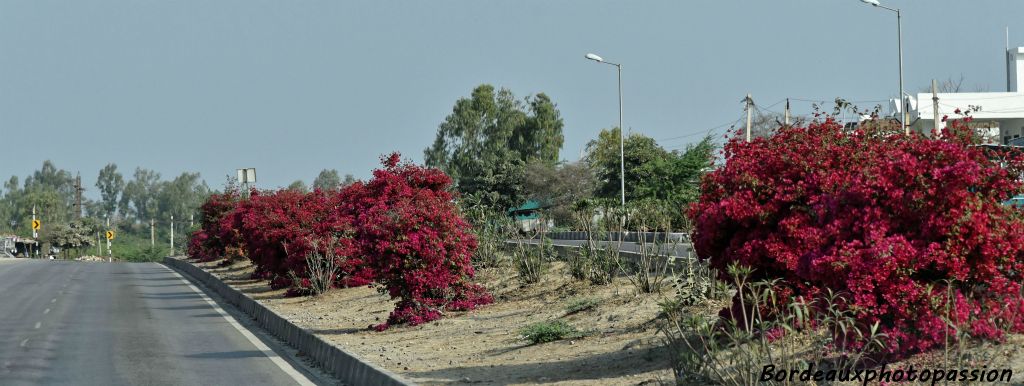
x=655, y=177
x=604, y=156
x=559, y=187
x=181, y=197
x=110, y=183
x=349, y=180
x=328, y=179
x=76, y=235
x=298, y=186
x=140, y=196
x=485, y=143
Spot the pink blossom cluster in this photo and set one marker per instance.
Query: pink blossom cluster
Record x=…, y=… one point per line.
x=898, y=224
x=401, y=230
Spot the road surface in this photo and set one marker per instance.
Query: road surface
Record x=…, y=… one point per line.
x=64, y=322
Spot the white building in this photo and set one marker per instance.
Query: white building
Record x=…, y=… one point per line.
x=997, y=115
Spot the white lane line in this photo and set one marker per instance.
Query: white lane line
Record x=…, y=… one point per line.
x=24, y=343
x=38, y=324
x=280, y=362
x=54, y=300
x=46, y=311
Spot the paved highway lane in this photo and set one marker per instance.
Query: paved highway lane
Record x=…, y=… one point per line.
x=123, y=324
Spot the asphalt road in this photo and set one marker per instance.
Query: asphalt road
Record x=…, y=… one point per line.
x=64, y=323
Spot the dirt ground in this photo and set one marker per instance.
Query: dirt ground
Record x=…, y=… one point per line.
x=622, y=345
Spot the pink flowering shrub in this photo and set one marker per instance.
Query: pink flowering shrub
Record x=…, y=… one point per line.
x=279, y=227
x=413, y=237
x=893, y=222
x=401, y=230
x=207, y=243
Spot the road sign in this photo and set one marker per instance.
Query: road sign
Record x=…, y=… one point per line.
x=110, y=235
x=36, y=224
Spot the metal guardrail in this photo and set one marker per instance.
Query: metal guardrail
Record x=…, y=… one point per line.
x=633, y=237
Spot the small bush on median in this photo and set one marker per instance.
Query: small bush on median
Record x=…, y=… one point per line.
x=543, y=332
x=580, y=305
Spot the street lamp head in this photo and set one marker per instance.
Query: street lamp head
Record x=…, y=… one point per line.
x=872, y=2
x=594, y=58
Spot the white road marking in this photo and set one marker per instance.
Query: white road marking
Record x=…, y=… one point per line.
x=280, y=362
x=46, y=311
x=38, y=324
x=24, y=343
x=54, y=300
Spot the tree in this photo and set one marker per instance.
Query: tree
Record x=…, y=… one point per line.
x=604, y=156
x=349, y=180
x=140, y=197
x=181, y=197
x=76, y=234
x=298, y=186
x=486, y=141
x=328, y=179
x=110, y=183
x=559, y=187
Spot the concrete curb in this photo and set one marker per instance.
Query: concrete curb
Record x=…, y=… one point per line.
x=332, y=359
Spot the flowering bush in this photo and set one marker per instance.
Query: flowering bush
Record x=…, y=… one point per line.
x=207, y=243
x=279, y=228
x=895, y=222
x=419, y=247
x=401, y=230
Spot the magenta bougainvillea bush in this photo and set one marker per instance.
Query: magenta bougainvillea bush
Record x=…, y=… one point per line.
x=892, y=222
x=416, y=242
x=207, y=243
x=401, y=230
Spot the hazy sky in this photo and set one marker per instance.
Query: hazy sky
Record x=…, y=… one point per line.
x=293, y=87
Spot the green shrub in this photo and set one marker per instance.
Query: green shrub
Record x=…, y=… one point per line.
x=581, y=304
x=550, y=331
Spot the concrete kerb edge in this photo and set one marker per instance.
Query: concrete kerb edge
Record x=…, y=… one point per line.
x=333, y=359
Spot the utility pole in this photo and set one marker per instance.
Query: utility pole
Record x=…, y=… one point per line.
x=152, y=233
x=191, y=220
x=110, y=256
x=935, y=106
x=172, y=235
x=78, y=197
x=35, y=235
x=786, y=119
x=749, y=107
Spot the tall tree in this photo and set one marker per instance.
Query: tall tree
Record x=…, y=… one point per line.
x=110, y=183
x=603, y=155
x=328, y=179
x=181, y=197
x=488, y=138
x=349, y=180
x=139, y=199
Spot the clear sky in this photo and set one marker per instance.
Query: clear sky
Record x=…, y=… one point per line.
x=293, y=87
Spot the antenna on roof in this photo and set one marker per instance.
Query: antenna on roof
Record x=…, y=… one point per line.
x=1007, y=58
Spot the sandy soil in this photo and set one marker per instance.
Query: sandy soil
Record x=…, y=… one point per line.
x=483, y=346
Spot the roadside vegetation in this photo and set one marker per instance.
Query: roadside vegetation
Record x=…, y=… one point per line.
x=813, y=245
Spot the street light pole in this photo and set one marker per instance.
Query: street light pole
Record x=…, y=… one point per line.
x=899, y=45
x=622, y=141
